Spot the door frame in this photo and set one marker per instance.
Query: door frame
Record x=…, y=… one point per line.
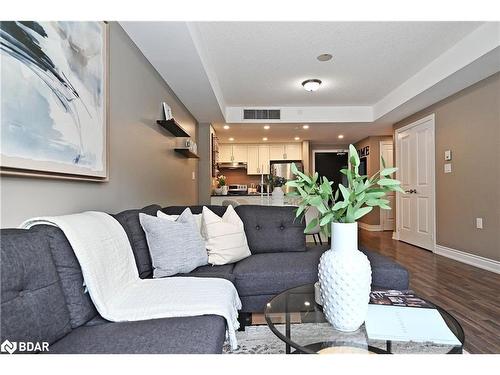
x=432, y=118
x=395, y=198
x=314, y=152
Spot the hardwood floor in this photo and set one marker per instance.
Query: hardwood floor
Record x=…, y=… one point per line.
x=470, y=294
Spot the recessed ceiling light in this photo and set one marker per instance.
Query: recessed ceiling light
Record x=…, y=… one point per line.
x=340, y=136
x=266, y=127
x=297, y=138
x=264, y=139
x=324, y=57
x=226, y=127
x=231, y=139
x=305, y=126
x=311, y=84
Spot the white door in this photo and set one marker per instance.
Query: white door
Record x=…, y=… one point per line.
x=415, y=160
x=293, y=151
x=387, y=216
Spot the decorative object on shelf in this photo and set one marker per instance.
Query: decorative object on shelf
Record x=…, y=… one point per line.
x=54, y=107
x=221, y=183
x=167, y=111
x=344, y=272
x=276, y=182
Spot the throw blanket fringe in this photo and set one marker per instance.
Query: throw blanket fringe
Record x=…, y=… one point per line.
x=110, y=274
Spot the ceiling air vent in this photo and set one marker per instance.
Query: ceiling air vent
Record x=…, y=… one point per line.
x=261, y=114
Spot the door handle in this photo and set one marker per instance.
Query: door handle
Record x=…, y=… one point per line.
x=411, y=191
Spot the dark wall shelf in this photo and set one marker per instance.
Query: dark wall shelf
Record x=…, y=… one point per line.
x=173, y=127
x=187, y=153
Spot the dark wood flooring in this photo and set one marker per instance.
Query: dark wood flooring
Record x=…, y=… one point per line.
x=470, y=294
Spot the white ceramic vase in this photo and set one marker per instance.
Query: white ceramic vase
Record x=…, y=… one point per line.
x=278, y=196
x=345, y=278
x=225, y=189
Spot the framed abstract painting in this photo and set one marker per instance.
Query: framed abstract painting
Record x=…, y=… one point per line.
x=54, y=99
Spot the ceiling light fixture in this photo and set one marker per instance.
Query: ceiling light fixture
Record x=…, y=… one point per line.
x=266, y=127
x=226, y=127
x=311, y=84
x=264, y=139
x=305, y=126
x=231, y=139
x=324, y=57
x=340, y=136
x=297, y=138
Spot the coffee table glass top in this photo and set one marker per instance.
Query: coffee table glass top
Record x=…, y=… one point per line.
x=299, y=322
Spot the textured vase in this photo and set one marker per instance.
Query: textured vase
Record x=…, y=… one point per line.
x=345, y=278
x=278, y=196
x=225, y=189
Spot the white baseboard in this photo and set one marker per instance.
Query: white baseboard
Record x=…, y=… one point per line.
x=473, y=260
x=370, y=227
x=395, y=236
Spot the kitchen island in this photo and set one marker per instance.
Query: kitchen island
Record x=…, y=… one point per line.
x=255, y=199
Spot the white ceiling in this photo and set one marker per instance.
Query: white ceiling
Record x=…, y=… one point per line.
x=381, y=72
x=264, y=63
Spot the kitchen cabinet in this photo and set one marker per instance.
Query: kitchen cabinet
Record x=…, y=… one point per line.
x=293, y=151
x=264, y=159
x=229, y=153
x=285, y=151
x=253, y=159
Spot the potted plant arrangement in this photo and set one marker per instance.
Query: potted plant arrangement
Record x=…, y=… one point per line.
x=344, y=272
x=222, y=188
x=276, y=183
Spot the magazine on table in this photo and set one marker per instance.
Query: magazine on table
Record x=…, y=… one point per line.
x=403, y=298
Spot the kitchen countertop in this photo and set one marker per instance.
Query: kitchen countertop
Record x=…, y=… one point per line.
x=240, y=195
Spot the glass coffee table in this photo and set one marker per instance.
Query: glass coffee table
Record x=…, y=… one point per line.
x=299, y=322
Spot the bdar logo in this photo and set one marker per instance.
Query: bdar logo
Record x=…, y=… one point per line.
x=8, y=346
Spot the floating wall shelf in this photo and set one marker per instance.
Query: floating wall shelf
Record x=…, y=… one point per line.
x=173, y=127
x=186, y=152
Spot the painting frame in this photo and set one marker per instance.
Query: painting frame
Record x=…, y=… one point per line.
x=101, y=176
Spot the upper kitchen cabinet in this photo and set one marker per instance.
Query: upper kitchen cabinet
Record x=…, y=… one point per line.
x=288, y=151
x=258, y=159
x=233, y=153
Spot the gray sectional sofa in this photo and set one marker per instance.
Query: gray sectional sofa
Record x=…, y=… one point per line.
x=43, y=297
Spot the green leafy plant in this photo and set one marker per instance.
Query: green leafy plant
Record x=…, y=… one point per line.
x=346, y=204
x=221, y=180
x=275, y=181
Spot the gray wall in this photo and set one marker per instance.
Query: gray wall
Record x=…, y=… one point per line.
x=143, y=166
x=468, y=124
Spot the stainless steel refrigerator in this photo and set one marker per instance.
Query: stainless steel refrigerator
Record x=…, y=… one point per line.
x=284, y=169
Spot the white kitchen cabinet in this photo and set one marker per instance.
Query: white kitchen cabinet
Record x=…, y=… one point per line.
x=264, y=159
x=225, y=153
x=240, y=153
x=277, y=152
x=293, y=151
x=253, y=159
x=236, y=153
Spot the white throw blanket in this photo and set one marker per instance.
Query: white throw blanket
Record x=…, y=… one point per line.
x=110, y=274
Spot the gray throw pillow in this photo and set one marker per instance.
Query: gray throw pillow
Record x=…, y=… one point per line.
x=175, y=246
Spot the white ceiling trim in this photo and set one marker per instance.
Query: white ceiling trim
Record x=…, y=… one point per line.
x=478, y=43
x=306, y=114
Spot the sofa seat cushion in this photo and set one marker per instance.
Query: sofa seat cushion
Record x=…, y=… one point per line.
x=386, y=273
x=272, y=273
x=33, y=307
x=197, y=334
x=222, y=272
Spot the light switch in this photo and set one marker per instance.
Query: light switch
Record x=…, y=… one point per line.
x=447, y=155
x=447, y=168
x=193, y=176
x=479, y=222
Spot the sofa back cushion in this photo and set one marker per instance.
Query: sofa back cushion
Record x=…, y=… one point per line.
x=271, y=229
x=177, y=210
x=33, y=307
x=80, y=306
x=130, y=222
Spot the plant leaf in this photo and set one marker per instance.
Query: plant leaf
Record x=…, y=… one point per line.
x=311, y=225
x=388, y=182
x=362, y=212
x=344, y=191
x=387, y=171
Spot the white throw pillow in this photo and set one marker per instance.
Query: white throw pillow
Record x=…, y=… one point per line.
x=225, y=237
x=163, y=215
